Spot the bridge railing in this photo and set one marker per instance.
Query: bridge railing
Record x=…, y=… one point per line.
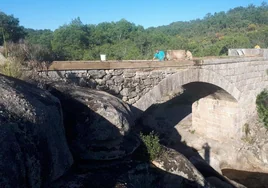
x=139, y=64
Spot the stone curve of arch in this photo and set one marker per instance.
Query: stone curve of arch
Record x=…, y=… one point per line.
x=175, y=81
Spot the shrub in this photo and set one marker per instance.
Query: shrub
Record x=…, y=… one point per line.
x=17, y=51
x=262, y=107
x=152, y=145
x=12, y=69
x=26, y=53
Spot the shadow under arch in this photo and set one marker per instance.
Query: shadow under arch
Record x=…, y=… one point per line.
x=174, y=82
x=163, y=118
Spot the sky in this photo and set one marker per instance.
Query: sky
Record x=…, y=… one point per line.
x=50, y=14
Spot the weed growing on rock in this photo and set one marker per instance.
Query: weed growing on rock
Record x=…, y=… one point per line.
x=262, y=107
x=246, y=129
x=192, y=131
x=152, y=145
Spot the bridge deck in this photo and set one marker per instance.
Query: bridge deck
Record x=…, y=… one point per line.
x=136, y=64
x=130, y=64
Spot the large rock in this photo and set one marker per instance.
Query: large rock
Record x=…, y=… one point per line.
x=97, y=123
x=175, y=163
x=33, y=147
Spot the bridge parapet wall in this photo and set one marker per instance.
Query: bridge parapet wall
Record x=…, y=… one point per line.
x=127, y=84
x=248, y=52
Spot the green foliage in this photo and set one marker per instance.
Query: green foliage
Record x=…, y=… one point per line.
x=192, y=131
x=70, y=41
x=241, y=27
x=10, y=28
x=151, y=142
x=262, y=107
x=39, y=37
x=246, y=129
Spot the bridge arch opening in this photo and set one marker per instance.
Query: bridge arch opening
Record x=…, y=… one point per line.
x=205, y=108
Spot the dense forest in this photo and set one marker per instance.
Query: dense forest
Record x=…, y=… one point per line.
x=241, y=27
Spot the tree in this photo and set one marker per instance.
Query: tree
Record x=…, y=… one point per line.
x=10, y=29
x=70, y=41
x=241, y=27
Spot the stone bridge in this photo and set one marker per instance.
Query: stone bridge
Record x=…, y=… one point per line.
x=225, y=88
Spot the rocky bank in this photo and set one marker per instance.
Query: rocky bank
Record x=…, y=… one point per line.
x=34, y=151
x=68, y=136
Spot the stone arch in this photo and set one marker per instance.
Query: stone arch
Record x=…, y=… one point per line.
x=182, y=77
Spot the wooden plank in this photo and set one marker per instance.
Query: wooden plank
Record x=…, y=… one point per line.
x=87, y=65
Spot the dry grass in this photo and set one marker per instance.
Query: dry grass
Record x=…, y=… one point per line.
x=11, y=68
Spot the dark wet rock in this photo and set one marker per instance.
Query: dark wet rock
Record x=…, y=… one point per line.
x=133, y=175
x=111, y=176
x=216, y=182
x=97, y=123
x=33, y=147
x=141, y=175
x=146, y=175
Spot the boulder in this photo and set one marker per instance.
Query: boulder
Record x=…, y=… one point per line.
x=97, y=123
x=175, y=163
x=33, y=147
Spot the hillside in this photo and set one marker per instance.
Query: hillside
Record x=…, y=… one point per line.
x=241, y=27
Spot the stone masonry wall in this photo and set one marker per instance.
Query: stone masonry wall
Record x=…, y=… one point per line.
x=249, y=77
x=128, y=84
x=216, y=119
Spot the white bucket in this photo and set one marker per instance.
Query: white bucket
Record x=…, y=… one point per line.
x=103, y=57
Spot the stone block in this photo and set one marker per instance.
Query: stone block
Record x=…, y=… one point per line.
x=96, y=73
x=142, y=75
x=118, y=79
x=155, y=74
x=132, y=94
x=114, y=89
x=125, y=92
x=102, y=87
x=100, y=81
x=117, y=72
x=139, y=88
x=67, y=75
x=129, y=74
x=147, y=82
x=107, y=77
x=131, y=101
x=110, y=82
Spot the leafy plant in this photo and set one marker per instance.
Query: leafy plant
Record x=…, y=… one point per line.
x=246, y=129
x=262, y=107
x=152, y=144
